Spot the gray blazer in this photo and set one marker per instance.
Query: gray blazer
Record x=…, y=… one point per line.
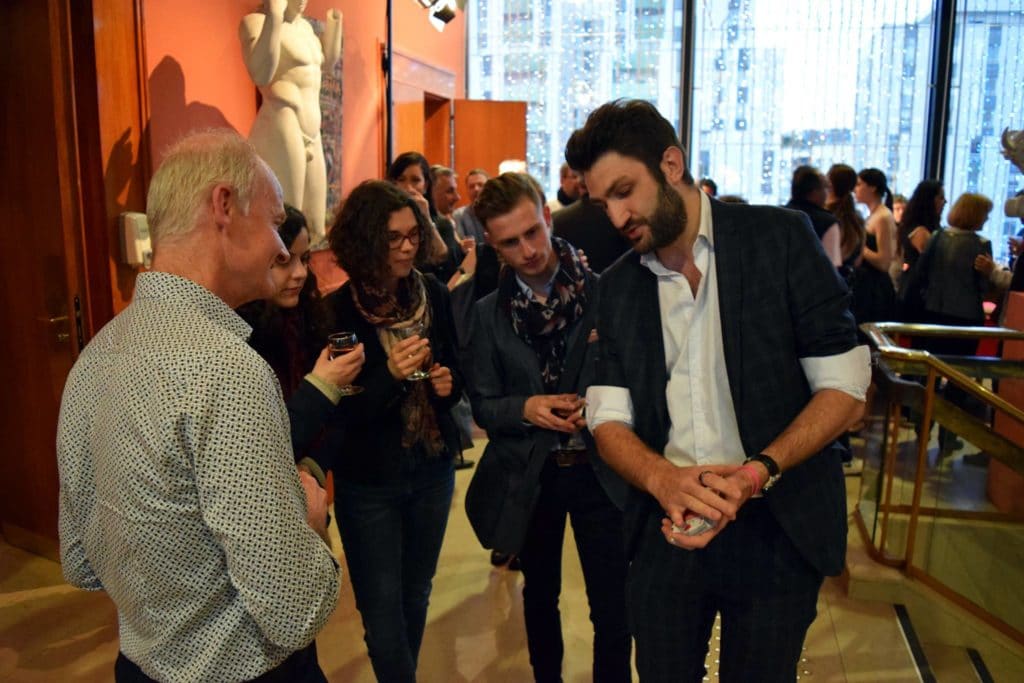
x=505, y=372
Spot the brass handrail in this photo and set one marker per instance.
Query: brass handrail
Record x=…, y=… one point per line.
x=878, y=334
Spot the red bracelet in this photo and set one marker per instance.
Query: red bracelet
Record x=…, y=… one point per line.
x=755, y=478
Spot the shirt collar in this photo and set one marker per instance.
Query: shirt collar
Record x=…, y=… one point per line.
x=528, y=290
x=704, y=235
x=159, y=285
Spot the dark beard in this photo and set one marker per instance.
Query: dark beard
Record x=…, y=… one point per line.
x=667, y=222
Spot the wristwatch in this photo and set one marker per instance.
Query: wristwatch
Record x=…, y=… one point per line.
x=774, y=473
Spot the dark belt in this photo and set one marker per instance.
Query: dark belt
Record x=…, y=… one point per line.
x=567, y=457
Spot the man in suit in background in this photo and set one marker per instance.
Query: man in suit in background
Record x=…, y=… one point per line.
x=584, y=225
x=466, y=222
x=532, y=355
x=728, y=366
x=807, y=194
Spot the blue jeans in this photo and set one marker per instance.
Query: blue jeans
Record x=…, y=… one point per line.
x=392, y=536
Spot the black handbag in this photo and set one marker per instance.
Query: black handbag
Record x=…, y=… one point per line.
x=500, y=501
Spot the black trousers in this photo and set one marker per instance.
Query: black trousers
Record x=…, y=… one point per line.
x=751, y=573
x=597, y=528
x=300, y=667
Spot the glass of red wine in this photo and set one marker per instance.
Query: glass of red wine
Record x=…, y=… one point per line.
x=341, y=343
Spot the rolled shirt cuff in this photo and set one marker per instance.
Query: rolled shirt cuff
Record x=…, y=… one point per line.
x=608, y=404
x=848, y=372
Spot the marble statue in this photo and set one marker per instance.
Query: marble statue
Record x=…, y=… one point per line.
x=284, y=57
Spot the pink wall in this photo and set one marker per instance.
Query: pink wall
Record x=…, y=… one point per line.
x=197, y=78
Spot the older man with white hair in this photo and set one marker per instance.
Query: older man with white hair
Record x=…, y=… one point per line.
x=179, y=493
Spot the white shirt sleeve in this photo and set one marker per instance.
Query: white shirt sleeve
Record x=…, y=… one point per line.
x=608, y=404
x=848, y=372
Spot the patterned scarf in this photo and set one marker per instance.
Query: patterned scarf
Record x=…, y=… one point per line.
x=543, y=326
x=389, y=314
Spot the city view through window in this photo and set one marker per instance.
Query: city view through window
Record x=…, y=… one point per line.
x=776, y=84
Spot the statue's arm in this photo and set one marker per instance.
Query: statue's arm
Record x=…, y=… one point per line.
x=260, y=35
x=332, y=39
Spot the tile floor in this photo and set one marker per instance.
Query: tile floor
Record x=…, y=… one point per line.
x=52, y=632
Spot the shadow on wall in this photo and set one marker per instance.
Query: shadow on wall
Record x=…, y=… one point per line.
x=170, y=115
x=125, y=175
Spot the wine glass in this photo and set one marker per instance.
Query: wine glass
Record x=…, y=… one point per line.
x=416, y=329
x=341, y=343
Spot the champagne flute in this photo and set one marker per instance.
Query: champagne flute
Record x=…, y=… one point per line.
x=340, y=344
x=416, y=329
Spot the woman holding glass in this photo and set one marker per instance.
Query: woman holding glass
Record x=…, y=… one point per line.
x=290, y=332
x=392, y=448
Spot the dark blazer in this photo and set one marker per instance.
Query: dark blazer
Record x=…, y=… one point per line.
x=780, y=300
x=363, y=438
x=586, y=226
x=505, y=372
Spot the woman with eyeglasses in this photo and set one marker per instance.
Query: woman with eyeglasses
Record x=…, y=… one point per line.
x=392, y=447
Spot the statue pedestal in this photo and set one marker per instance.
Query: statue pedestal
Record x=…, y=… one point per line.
x=1005, y=488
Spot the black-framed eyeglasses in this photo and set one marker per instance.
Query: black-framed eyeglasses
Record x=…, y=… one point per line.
x=396, y=239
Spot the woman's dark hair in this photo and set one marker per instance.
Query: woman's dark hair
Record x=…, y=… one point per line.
x=920, y=210
x=359, y=236
x=632, y=128
x=404, y=161
x=289, y=339
x=873, y=177
x=842, y=178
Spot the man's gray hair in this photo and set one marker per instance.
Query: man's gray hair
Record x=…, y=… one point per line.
x=181, y=188
x=439, y=171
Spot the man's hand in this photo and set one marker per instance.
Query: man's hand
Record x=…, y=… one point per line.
x=558, y=412
x=441, y=380
x=342, y=370
x=679, y=489
x=316, y=503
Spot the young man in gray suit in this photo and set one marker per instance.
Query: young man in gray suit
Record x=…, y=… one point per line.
x=532, y=356
x=728, y=366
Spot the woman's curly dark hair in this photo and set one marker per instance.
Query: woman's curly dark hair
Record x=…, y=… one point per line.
x=359, y=236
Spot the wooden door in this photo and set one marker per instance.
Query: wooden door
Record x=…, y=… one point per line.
x=43, y=293
x=487, y=133
x=437, y=126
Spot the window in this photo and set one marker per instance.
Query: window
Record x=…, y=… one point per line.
x=814, y=82
x=565, y=58
x=986, y=97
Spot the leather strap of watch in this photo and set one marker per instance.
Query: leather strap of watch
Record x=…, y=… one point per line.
x=774, y=473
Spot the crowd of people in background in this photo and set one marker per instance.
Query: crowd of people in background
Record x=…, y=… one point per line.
x=507, y=308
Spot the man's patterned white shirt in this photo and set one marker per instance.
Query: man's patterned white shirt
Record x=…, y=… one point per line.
x=179, y=495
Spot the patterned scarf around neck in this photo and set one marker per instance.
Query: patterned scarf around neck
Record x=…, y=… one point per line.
x=544, y=326
x=389, y=314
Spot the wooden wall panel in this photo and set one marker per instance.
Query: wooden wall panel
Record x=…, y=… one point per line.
x=487, y=133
